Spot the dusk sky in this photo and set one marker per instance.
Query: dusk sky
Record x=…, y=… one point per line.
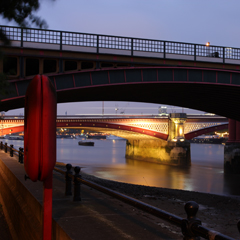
x=193, y=21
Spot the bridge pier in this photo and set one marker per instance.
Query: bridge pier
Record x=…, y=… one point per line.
x=159, y=151
x=175, y=151
x=232, y=148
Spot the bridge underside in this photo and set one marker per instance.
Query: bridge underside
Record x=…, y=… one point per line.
x=121, y=133
x=219, y=99
x=211, y=90
x=200, y=132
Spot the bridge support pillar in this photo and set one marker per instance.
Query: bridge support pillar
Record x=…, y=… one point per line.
x=176, y=126
x=174, y=151
x=159, y=151
x=60, y=65
x=21, y=67
x=232, y=148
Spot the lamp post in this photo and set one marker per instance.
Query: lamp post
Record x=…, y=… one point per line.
x=208, y=45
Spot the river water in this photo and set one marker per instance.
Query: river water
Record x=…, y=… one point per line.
x=107, y=160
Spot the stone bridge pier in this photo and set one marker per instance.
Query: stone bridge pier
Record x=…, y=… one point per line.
x=175, y=151
x=232, y=148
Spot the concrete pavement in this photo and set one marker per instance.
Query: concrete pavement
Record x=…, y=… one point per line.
x=96, y=216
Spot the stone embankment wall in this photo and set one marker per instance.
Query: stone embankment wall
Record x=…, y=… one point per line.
x=232, y=158
x=22, y=210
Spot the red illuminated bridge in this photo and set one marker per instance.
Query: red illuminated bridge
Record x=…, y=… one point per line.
x=129, y=127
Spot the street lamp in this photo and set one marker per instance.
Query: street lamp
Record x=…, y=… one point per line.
x=208, y=45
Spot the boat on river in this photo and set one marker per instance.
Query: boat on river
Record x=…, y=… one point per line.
x=84, y=143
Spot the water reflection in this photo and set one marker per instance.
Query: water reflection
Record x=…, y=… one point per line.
x=107, y=160
x=204, y=175
x=159, y=175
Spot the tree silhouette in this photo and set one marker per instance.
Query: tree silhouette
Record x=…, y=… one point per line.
x=21, y=11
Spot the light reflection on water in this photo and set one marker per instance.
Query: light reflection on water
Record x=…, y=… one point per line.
x=107, y=160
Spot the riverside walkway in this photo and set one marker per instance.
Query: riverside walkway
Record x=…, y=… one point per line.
x=96, y=216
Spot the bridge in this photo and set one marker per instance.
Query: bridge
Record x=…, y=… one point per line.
x=93, y=67
x=126, y=126
x=149, y=138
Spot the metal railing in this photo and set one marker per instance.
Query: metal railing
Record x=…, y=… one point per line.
x=12, y=151
x=63, y=38
x=191, y=226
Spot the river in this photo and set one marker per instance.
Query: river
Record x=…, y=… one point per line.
x=107, y=160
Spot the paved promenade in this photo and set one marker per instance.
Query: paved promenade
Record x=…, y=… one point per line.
x=96, y=216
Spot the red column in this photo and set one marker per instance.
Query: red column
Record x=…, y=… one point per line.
x=232, y=130
x=237, y=131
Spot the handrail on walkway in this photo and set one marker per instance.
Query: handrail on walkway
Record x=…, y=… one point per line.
x=12, y=151
x=191, y=227
x=96, y=42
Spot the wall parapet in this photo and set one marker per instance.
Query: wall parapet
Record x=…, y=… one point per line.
x=22, y=210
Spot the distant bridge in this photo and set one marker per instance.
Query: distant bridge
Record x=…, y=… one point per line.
x=92, y=67
x=129, y=127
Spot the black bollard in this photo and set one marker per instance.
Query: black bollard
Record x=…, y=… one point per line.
x=68, y=191
x=77, y=185
x=20, y=155
x=1, y=145
x=11, y=150
x=5, y=147
x=191, y=209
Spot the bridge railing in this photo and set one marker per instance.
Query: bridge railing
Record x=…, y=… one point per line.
x=191, y=226
x=131, y=46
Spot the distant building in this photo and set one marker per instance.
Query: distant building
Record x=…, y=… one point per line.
x=162, y=110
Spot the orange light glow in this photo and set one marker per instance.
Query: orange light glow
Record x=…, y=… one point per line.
x=208, y=44
x=180, y=131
